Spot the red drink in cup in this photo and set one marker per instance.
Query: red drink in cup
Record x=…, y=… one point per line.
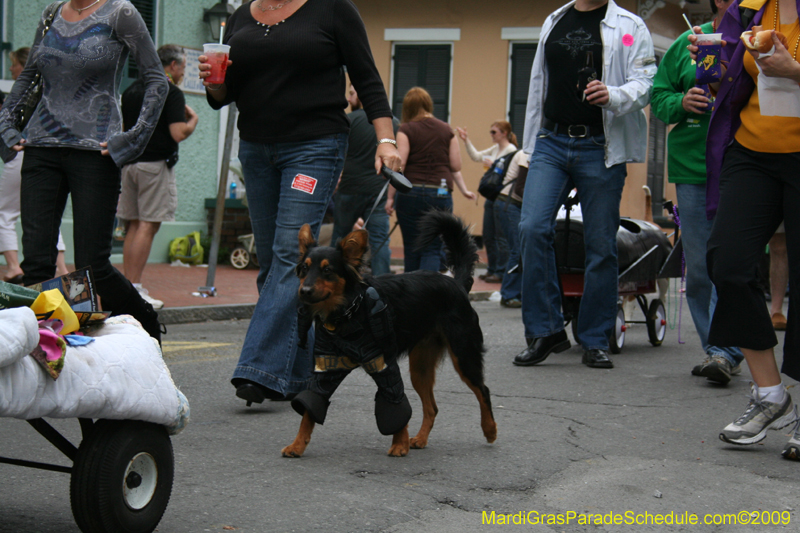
x=217, y=55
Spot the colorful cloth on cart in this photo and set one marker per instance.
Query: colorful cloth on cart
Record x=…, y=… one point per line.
x=120, y=376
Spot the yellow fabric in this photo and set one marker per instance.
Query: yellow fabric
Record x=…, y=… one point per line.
x=752, y=4
x=773, y=135
x=51, y=304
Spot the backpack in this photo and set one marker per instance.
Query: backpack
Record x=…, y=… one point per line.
x=492, y=181
x=186, y=249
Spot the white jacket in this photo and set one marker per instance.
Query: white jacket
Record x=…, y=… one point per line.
x=628, y=71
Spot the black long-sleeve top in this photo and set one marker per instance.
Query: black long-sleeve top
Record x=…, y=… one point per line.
x=289, y=82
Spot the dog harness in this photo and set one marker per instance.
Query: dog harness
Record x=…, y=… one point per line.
x=363, y=335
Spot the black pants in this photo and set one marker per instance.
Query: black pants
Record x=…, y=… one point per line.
x=49, y=176
x=757, y=192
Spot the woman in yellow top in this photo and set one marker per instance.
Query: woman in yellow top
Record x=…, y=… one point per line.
x=753, y=156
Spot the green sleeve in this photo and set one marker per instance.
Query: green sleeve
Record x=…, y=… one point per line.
x=668, y=90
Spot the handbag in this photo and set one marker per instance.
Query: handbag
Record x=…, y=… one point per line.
x=33, y=95
x=492, y=181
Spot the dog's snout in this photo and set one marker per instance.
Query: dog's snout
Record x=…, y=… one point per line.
x=305, y=290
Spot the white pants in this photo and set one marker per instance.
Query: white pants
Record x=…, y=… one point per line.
x=9, y=206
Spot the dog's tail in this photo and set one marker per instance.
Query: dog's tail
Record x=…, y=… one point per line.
x=462, y=253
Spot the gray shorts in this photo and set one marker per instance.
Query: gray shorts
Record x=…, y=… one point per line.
x=148, y=193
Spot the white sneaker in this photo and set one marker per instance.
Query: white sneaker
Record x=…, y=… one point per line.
x=157, y=304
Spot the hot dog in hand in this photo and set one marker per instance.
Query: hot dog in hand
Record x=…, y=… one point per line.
x=760, y=40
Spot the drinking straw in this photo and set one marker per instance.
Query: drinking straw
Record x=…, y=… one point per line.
x=691, y=28
x=222, y=30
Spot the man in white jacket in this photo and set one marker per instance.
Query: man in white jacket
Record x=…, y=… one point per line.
x=590, y=79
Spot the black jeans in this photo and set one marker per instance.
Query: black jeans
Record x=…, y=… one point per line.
x=757, y=192
x=49, y=176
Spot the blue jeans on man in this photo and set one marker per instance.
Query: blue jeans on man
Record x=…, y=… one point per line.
x=507, y=216
x=700, y=292
x=558, y=164
x=288, y=185
x=348, y=208
x=410, y=207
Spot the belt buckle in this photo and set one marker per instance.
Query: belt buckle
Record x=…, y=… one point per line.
x=576, y=136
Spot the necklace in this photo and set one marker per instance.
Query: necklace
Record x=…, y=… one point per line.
x=260, y=6
x=82, y=9
x=776, y=26
x=269, y=26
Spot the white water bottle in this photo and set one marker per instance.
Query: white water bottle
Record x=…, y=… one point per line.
x=442, y=190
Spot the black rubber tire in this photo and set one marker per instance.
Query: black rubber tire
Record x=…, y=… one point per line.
x=99, y=504
x=617, y=338
x=655, y=330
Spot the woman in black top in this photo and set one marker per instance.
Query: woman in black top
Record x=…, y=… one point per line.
x=287, y=78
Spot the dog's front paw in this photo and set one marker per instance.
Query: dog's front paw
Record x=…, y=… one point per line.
x=398, y=450
x=292, y=451
x=418, y=443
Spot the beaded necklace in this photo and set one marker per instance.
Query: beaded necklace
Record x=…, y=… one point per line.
x=776, y=26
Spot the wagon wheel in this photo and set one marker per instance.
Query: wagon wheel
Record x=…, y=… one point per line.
x=617, y=338
x=122, y=477
x=240, y=258
x=656, y=322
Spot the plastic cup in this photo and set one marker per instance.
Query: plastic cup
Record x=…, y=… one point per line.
x=708, y=38
x=709, y=52
x=217, y=55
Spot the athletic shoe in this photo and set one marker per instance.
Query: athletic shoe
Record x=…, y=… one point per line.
x=513, y=303
x=719, y=370
x=698, y=369
x=157, y=304
x=792, y=449
x=751, y=427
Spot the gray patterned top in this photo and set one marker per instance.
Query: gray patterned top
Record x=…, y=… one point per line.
x=81, y=64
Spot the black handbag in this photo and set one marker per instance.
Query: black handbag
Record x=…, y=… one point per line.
x=33, y=95
x=492, y=181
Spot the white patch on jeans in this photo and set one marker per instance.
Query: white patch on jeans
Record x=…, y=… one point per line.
x=304, y=183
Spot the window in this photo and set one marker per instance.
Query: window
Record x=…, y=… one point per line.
x=422, y=65
x=521, y=62
x=147, y=9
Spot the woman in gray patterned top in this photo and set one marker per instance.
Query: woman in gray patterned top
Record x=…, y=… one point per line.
x=74, y=143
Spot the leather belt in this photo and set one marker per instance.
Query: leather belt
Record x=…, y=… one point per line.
x=572, y=130
x=509, y=199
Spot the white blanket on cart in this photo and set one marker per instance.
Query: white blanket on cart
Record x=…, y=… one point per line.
x=121, y=375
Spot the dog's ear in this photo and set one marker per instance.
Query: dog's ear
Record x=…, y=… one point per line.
x=306, y=239
x=354, y=246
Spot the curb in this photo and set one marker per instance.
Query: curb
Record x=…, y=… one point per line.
x=204, y=313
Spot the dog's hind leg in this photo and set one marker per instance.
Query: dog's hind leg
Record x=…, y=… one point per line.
x=400, y=443
x=422, y=367
x=470, y=368
x=302, y=439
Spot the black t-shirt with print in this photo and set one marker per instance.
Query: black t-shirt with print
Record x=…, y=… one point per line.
x=572, y=38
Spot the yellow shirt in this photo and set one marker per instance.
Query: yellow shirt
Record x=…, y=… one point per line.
x=774, y=135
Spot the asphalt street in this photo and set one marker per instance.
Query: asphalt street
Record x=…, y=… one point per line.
x=640, y=438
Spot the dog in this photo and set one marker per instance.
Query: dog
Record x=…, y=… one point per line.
x=421, y=315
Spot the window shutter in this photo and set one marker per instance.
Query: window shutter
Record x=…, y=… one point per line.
x=147, y=9
x=426, y=66
x=522, y=55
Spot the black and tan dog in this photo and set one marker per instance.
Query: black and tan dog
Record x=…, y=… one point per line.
x=371, y=322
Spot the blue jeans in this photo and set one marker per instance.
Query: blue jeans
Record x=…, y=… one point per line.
x=288, y=185
x=351, y=206
x=494, y=241
x=507, y=216
x=700, y=292
x=410, y=207
x=558, y=164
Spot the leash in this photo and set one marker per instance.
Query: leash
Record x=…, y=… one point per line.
x=682, y=290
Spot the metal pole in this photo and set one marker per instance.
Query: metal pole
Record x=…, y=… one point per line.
x=219, y=212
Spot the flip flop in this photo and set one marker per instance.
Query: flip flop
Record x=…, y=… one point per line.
x=16, y=280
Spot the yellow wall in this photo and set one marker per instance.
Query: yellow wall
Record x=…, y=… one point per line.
x=480, y=68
